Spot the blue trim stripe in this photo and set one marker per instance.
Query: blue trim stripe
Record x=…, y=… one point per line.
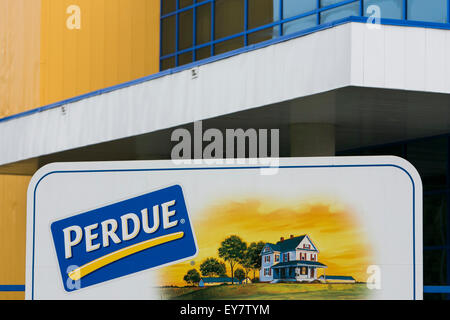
x=246, y=31
x=12, y=288
x=436, y=289
x=443, y=26
x=232, y=168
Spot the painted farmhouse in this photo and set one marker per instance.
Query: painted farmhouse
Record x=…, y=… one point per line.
x=293, y=259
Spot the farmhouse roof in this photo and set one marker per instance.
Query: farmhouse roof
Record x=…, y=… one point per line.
x=290, y=244
x=338, y=278
x=299, y=263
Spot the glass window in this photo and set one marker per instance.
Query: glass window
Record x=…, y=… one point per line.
x=184, y=58
x=168, y=63
x=186, y=30
x=303, y=271
x=351, y=9
x=186, y=3
x=169, y=6
x=260, y=12
x=203, y=53
x=435, y=219
x=390, y=150
x=434, y=266
x=300, y=24
x=430, y=157
x=349, y=153
x=204, y=23
x=435, y=296
x=293, y=8
x=389, y=9
x=325, y=3
x=263, y=35
x=169, y=35
x=229, y=45
x=229, y=18
x=429, y=10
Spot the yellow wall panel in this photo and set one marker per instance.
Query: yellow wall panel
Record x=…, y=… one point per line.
x=20, y=23
x=19, y=55
x=12, y=295
x=118, y=41
x=13, y=190
x=42, y=61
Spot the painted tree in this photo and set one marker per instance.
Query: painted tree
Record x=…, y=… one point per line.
x=212, y=267
x=192, y=277
x=246, y=262
x=253, y=256
x=239, y=274
x=232, y=250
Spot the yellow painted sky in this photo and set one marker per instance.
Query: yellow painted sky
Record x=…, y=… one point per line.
x=331, y=226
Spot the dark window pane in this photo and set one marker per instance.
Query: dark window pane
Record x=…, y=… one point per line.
x=260, y=12
x=300, y=24
x=434, y=267
x=229, y=45
x=229, y=18
x=294, y=7
x=184, y=58
x=430, y=157
x=389, y=9
x=168, y=6
x=351, y=9
x=167, y=63
x=186, y=30
x=325, y=3
x=204, y=23
x=435, y=296
x=429, y=10
x=186, y=3
x=351, y=153
x=434, y=220
x=391, y=150
x=263, y=35
x=203, y=53
x=169, y=35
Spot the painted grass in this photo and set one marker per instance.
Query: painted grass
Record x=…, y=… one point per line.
x=267, y=291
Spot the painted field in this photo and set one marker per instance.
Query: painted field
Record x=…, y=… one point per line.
x=267, y=291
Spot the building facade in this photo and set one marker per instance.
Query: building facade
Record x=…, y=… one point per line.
x=291, y=260
x=337, y=77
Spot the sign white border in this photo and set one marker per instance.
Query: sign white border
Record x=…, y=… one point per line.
x=335, y=162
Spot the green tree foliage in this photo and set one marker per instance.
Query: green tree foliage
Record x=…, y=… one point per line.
x=232, y=250
x=192, y=277
x=253, y=257
x=239, y=274
x=212, y=267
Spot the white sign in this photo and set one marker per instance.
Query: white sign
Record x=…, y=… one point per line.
x=321, y=228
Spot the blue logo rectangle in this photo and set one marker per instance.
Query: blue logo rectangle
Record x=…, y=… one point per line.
x=123, y=238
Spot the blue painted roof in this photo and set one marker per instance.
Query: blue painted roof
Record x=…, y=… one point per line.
x=289, y=244
x=299, y=263
x=338, y=278
x=272, y=246
x=217, y=279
